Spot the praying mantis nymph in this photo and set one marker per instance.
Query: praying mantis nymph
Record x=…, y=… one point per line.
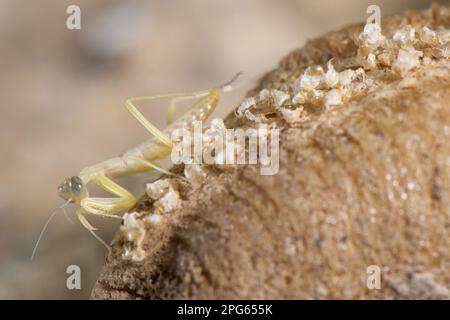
x=139, y=159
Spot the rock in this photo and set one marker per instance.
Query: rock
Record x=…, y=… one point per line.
x=361, y=184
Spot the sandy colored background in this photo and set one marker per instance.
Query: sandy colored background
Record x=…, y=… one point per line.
x=62, y=95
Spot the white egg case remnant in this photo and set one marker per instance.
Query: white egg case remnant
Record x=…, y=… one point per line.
x=195, y=173
x=167, y=198
x=134, y=231
x=404, y=52
x=217, y=142
x=165, y=193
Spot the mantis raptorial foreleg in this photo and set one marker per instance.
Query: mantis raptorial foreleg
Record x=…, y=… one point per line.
x=108, y=206
x=85, y=223
x=104, y=207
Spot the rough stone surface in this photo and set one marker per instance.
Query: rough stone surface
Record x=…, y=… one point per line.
x=364, y=184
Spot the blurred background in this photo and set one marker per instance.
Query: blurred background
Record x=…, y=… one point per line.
x=62, y=94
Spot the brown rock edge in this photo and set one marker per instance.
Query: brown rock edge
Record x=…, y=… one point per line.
x=337, y=205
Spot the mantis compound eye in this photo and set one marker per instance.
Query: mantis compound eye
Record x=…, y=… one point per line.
x=64, y=189
x=71, y=188
x=76, y=185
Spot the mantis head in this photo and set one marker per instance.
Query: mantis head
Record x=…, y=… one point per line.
x=72, y=189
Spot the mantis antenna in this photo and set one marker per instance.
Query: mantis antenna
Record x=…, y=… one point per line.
x=63, y=207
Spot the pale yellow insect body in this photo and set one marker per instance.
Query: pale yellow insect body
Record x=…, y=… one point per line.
x=136, y=160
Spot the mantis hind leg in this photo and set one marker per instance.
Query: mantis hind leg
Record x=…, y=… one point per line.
x=157, y=168
x=175, y=97
x=173, y=102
